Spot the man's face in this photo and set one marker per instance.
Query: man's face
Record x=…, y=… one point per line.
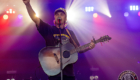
x=60, y=15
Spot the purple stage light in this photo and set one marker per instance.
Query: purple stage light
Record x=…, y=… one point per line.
x=138, y=13
x=126, y=14
x=20, y=16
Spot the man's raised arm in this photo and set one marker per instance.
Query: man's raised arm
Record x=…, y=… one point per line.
x=31, y=12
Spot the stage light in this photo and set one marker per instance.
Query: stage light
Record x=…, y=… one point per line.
x=89, y=9
x=20, y=16
x=138, y=13
x=7, y=11
x=7, y=79
x=5, y=17
x=95, y=15
x=137, y=7
x=109, y=16
x=96, y=77
x=126, y=14
x=37, y=15
x=131, y=8
x=103, y=7
x=92, y=9
x=134, y=7
x=86, y=9
x=10, y=10
x=92, y=77
x=71, y=16
x=13, y=11
x=12, y=79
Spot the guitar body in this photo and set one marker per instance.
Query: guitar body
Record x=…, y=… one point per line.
x=50, y=58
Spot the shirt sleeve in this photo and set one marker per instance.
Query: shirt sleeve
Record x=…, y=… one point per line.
x=43, y=28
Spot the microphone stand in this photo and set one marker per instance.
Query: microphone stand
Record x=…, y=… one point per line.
x=61, y=65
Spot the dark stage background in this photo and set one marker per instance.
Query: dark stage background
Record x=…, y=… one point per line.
x=20, y=42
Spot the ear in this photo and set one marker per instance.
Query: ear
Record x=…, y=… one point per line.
x=54, y=21
x=65, y=23
x=54, y=16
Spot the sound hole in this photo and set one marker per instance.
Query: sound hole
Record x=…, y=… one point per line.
x=66, y=54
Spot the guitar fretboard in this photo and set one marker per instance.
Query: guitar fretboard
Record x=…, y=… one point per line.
x=82, y=47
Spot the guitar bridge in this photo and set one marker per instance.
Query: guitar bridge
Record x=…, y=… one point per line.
x=56, y=58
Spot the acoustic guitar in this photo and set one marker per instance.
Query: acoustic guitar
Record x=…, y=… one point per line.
x=50, y=57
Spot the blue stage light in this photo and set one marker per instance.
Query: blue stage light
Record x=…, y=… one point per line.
x=92, y=8
x=134, y=8
x=131, y=8
x=137, y=7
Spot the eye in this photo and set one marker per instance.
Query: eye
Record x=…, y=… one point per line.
x=62, y=14
x=56, y=14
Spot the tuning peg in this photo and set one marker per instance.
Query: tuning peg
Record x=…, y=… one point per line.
x=93, y=39
x=108, y=40
x=101, y=44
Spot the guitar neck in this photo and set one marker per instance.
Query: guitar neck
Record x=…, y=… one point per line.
x=78, y=49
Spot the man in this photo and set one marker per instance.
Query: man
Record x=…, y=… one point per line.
x=52, y=37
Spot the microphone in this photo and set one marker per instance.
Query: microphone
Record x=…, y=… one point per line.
x=59, y=20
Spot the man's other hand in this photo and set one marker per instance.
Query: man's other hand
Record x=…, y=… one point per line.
x=92, y=45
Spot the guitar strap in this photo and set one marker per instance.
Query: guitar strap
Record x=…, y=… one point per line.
x=71, y=38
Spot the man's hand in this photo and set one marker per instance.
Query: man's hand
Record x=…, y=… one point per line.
x=26, y=2
x=92, y=45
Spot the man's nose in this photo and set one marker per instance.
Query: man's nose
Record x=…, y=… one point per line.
x=59, y=15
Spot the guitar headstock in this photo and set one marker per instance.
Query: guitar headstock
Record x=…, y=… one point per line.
x=104, y=38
